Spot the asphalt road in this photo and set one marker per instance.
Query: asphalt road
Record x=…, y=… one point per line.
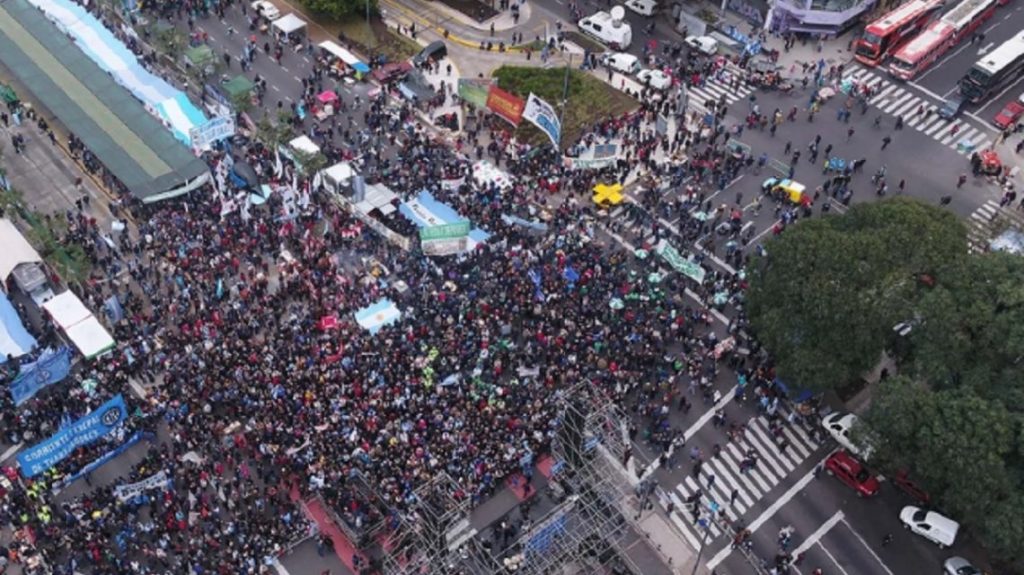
x=941, y=80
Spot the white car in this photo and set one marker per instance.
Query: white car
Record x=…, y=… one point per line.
x=959, y=566
x=269, y=11
x=642, y=7
x=654, y=78
x=703, y=44
x=933, y=526
x=839, y=425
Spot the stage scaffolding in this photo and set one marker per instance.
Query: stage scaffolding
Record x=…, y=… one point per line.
x=583, y=533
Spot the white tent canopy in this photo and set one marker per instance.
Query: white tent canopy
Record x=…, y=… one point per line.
x=289, y=23
x=304, y=144
x=79, y=324
x=16, y=249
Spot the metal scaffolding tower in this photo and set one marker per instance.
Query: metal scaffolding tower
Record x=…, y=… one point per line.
x=433, y=534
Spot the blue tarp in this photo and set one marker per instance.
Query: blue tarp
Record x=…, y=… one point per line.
x=113, y=57
x=425, y=211
x=15, y=340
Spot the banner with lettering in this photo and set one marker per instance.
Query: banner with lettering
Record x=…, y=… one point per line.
x=87, y=429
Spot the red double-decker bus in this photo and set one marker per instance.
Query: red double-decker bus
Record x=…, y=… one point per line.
x=921, y=52
x=887, y=34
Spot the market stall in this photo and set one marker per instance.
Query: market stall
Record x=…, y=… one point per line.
x=290, y=27
x=342, y=63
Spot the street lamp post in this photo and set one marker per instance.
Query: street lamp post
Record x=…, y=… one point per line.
x=706, y=524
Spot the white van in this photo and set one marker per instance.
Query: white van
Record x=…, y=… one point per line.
x=608, y=28
x=934, y=527
x=642, y=7
x=622, y=62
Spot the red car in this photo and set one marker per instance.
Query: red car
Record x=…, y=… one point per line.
x=903, y=482
x=852, y=472
x=1009, y=115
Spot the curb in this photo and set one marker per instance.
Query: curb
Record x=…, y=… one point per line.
x=446, y=34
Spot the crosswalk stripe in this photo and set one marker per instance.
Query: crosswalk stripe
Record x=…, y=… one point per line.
x=743, y=501
x=953, y=133
x=928, y=123
x=936, y=127
x=683, y=527
x=805, y=438
x=736, y=458
x=747, y=489
x=722, y=487
x=883, y=94
x=769, y=451
x=716, y=494
x=967, y=133
x=908, y=104
x=790, y=458
x=980, y=138
x=715, y=531
x=795, y=444
x=751, y=475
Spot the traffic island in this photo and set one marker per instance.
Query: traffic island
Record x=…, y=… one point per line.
x=373, y=39
x=590, y=101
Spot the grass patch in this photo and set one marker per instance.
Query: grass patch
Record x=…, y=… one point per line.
x=535, y=45
x=375, y=39
x=590, y=99
x=585, y=42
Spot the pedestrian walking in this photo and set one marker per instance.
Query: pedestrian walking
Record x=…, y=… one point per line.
x=885, y=142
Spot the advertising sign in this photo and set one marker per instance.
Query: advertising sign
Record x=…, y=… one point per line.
x=508, y=106
x=541, y=114
x=87, y=429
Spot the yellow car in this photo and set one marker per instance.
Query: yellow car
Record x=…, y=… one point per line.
x=789, y=189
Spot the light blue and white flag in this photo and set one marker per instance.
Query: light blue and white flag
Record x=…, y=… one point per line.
x=378, y=315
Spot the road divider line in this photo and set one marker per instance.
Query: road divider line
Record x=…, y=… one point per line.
x=866, y=546
x=818, y=533
x=834, y=560
x=767, y=514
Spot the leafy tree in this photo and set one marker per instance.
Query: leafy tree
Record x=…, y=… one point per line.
x=308, y=164
x=963, y=448
x=339, y=9
x=826, y=296
x=971, y=330
x=272, y=133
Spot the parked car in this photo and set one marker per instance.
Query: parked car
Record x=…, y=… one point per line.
x=268, y=10
x=1010, y=113
x=654, y=78
x=435, y=51
x=839, y=425
x=391, y=71
x=853, y=473
x=931, y=525
x=902, y=482
x=642, y=7
x=951, y=106
x=608, y=28
x=959, y=566
x=622, y=62
x=703, y=44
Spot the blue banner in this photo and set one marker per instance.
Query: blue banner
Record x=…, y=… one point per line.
x=86, y=430
x=51, y=367
x=103, y=459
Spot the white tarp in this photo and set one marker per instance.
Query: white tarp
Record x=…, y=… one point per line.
x=79, y=324
x=304, y=144
x=16, y=249
x=289, y=23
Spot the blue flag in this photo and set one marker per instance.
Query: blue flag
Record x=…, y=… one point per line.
x=113, y=308
x=51, y=367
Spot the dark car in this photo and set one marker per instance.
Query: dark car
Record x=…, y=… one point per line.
x=903, y=482
x=435, y=51
x=951, y=106
x=391, y=72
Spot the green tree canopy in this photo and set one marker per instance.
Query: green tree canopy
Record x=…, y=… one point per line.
x=338, y=9
x=826, y=296
x=971, y=330
x=963, y=448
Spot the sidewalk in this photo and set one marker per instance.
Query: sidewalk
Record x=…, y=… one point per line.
x=457, y=28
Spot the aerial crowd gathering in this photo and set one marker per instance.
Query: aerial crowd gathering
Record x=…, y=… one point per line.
x=263, y=391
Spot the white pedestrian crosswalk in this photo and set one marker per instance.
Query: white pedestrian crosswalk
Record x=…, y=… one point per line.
x=899, y=99
x=979, y=226
x=714, y=89
x=721, y=476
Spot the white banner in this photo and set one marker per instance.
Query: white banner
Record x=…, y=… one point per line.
x=155, y=481
x=212, y=131
x=541, y=114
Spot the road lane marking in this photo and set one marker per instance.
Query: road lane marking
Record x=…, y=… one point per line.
x=767, y=514
x=866, y=546
x=818, y=533
x=833, y=559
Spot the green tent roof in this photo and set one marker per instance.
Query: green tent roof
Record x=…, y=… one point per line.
x=237, y=86
x=199, y=55
x=115, y=126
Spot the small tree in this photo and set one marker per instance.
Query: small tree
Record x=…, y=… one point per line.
x=271, y=133
x=241, y=102
x=309, y=164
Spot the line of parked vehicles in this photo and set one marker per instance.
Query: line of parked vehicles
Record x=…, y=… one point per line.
x=847, y=464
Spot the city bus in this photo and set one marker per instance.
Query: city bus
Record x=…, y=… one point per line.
x=885, y=35
x=940, y=35
x=994, y=70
